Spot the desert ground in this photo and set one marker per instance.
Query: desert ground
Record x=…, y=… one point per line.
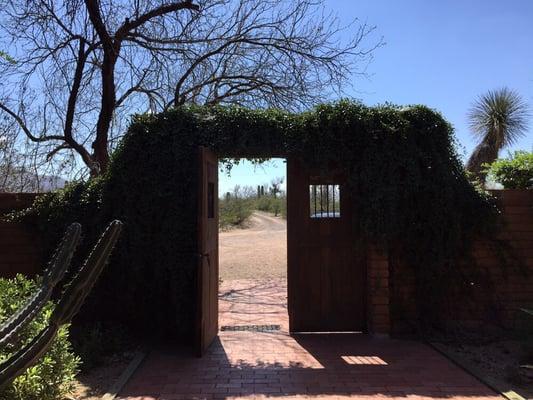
x=259, y=251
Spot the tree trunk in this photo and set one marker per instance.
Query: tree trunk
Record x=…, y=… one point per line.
x=100, y=144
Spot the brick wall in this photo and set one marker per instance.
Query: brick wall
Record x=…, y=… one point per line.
x=507, y=286
x=20, y=250
x=512, y=286
x=378, y=291
x=20, y=247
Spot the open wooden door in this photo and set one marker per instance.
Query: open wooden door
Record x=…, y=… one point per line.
x=326, y=269
x=207, y=311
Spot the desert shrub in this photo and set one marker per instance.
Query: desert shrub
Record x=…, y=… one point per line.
x=275, y=205
x=235, y=208
x=52, y=377
x=233, y=212
x=514, y=172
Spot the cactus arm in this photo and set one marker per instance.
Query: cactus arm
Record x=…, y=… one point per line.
x=57, y=267
x=68, y=305
x=73, y=233
x=27, y=356
x=84, y=280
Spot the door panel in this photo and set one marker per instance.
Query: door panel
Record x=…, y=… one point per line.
x=326, y=270
x=207, y=311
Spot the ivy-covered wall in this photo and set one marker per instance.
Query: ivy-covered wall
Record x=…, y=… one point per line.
x=410, y=193
x=507, y=286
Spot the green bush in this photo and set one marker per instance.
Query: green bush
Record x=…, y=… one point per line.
x=514, y=172
x=275, y=205
x=52, y=377
x=234, y=209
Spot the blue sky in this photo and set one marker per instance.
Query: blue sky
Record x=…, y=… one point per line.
x=439, y=53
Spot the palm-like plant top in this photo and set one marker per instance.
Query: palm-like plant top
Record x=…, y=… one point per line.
x=498, y=118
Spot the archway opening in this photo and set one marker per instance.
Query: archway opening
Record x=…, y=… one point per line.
x=253, y=246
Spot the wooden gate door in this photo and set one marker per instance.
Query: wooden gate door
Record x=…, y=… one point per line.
x=207, y=305
x=326, y=270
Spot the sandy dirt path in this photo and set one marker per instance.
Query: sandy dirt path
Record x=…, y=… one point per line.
x=258, y=252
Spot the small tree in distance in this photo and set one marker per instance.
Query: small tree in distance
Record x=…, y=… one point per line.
x=275, y=186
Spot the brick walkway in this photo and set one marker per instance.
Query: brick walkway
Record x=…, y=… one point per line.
x=272, y=364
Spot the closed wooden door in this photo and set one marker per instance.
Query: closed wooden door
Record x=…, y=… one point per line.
x=207, y=309
x=326, y=267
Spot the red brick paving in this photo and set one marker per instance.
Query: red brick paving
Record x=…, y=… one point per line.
x=262, y=365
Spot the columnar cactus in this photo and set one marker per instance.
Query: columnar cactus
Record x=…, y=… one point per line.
x=57, y=267
x=68, y=305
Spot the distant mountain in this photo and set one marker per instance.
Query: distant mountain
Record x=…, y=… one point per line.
x=28, y=182
x=47, y=183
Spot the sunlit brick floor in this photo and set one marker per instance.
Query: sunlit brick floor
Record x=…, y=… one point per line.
x=261, y=365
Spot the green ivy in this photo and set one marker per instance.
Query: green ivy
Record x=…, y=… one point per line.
x=410, y=194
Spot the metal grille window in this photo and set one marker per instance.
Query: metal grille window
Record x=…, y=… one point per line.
x=324, y=201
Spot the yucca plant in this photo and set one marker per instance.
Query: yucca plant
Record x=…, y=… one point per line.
x=498, y=119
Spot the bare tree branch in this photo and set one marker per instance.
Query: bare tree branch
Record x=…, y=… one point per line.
x=80, y=67
x=25, y=128
x=157, y=12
